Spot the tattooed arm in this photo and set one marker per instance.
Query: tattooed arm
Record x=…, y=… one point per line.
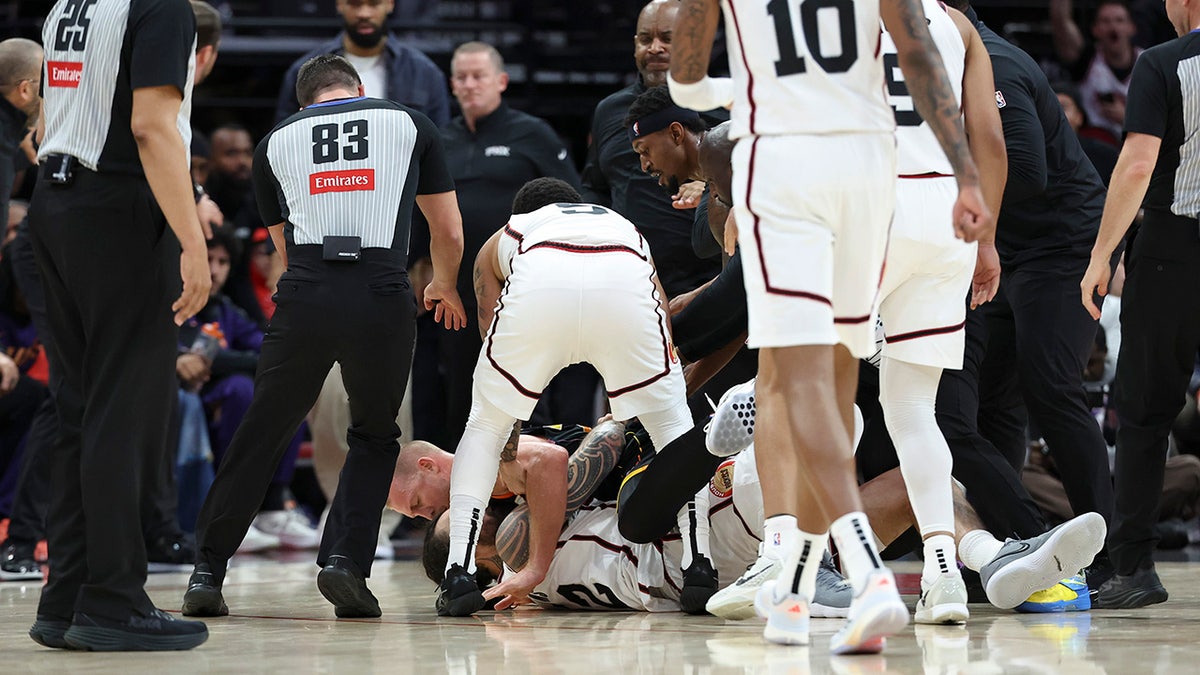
x=488, y=281
x=595, y=459
x=929, y=86
x=691, y=47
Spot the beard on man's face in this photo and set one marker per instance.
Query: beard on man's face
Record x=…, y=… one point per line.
x=672, y=186
x=367, y=39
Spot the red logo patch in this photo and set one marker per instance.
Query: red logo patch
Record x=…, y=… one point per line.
x=64, y=73
x=352, y=180
x=721, y=485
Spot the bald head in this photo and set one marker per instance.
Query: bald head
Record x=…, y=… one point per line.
x=652, y=41
x=421, y=481
x=716, y=152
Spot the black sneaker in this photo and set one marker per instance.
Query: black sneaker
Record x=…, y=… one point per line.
x=344, y=586
x=168, y=552
x=17, y=562
x=458, y=594
x=203, y=596
x=153, y=632
x=699, y=584
x=1130, y=592
x=48, y=632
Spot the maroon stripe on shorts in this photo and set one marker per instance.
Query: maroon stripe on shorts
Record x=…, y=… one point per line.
x=495, y=364
x=662, y=334
x=928, y=332
x=745, y=64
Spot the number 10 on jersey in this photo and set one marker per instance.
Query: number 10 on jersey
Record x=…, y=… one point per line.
x=813, y=13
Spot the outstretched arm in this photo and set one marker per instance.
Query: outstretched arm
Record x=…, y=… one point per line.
x=691, y=47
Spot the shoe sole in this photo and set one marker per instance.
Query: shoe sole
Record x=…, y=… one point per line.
x=97, y=639
x=20, y=576
x=867, y=634
x=795, y=636
x=694, y=599
x=346, y=595
x=948, y=614
x=204, y=602
x=1069, y=549
x=735, y=418
x=733, y=606
x=48, y=636
x=464, y=605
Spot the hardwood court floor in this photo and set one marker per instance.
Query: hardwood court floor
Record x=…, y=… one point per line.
x=281, y=624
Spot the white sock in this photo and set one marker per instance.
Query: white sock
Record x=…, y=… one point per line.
x=799, y=573
x=779, y=536
x=476, y=462
x=694, y=527
x=978, y=548
x=856, y=547
x=939, y=557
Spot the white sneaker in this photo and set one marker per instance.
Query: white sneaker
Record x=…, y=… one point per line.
x=736, y=601
x=291, y=527
x=944, y=601
x=257, y=541
x=787, y=616
x=731, y=429
x=875, y=613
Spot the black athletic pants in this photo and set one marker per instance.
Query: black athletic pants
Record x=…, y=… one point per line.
x=110, y=270
x=1025, y=354
x=1160, y=333
x=361, y=315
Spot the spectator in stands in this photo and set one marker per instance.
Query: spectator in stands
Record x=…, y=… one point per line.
x=229, y=164
x=388, y=68
x=20, y=77
x=1103, y=68
x=224, y=377
x=1102, y=153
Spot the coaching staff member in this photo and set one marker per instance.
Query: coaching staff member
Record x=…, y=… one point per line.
x=337, y=180
x=1160, y=315
x=1035, y=336
x=117, y=86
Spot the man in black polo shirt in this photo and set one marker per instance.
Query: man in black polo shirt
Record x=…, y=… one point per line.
x=492, y=150
x=117, y=86
x=1160, y=316
x=20, y=75
x=337, y=181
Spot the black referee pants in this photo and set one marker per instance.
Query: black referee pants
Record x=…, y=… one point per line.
x=1160, y=333
x=110, y=269
x=361, y=315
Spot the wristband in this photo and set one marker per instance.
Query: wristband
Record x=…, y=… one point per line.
x=707, y=94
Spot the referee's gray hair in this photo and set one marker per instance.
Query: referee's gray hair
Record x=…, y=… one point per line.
x=323, y=72
x=476, y=47
x=19, y=59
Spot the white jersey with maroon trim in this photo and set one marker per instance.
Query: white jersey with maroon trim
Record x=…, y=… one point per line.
x=918, y=152
x=595, y=568
x=580, y=228
x=808, y=67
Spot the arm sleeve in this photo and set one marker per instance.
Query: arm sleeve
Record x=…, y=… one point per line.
x=596, y=189
x=163, y=37
x=1024, y=138
x=551, y=157
x=266, y=187
x=435, y=175
x=716, y=317
x=704, y=244
x=1146, y=104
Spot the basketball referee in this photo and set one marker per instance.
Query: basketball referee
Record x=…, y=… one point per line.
x=117, y=86
x=337, y=180
x=1160, y=312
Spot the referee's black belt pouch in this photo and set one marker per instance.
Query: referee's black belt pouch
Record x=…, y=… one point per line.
x=59, y=169
x=345, y=249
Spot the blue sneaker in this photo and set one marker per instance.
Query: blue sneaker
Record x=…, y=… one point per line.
x=1068, y=595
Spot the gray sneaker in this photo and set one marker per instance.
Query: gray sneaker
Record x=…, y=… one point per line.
x=1025, y=566
x=833, y=596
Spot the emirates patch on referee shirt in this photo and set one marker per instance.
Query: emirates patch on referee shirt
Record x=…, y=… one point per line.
x=64, y=73
x=351, y=180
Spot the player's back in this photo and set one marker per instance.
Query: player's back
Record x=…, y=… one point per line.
x=596, y=568
x=807, y=67
x=917, y=149
x=577, y=228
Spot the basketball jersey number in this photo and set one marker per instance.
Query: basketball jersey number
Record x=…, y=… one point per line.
x=790, y=62
x=581, y=209
x=326, y=145
x=71, y=32
x=582, y=595
x=899, y=88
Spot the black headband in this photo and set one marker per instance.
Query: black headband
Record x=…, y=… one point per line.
x=659, y=120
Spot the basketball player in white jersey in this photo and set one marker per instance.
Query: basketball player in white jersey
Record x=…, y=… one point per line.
x=927, y=276
x=814, y=185
x=563, y=282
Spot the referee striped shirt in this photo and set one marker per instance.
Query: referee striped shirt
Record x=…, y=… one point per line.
x=97, y=53
x=1164, y=101
x=349, y=167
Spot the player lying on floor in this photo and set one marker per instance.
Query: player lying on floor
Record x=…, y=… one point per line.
x=595, y=568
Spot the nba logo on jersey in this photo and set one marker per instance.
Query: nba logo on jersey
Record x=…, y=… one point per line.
x=1000, y=102
x=778, y=539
